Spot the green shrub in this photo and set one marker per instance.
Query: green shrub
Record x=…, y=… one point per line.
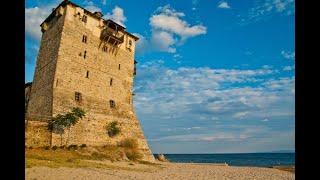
x=54, y=148
x=83, y=146
x=113, y=128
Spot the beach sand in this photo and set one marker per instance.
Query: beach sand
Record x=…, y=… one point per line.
x=170, y=171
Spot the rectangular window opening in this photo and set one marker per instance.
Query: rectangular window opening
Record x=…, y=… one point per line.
x=111, y=81
x=105, y=49
x=112, y=104
x=87, y=76
x=119, y=67
x=84, y=38
x=85, y=53
x=77, y=96
x=84, y=18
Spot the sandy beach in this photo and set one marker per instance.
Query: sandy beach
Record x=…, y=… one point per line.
x=129, y=170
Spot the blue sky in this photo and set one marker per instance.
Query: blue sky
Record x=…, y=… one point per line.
x=213, y=76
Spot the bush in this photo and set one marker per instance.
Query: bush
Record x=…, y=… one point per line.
x=54, y=148
x=62, y=147
x=30, y=147
x=129, y=143
x=83, y=146
x=133, y=155
x=46, y=148
x=113, y=128
x=73, y=146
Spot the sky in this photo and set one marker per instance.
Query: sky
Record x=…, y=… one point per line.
x=212, y=76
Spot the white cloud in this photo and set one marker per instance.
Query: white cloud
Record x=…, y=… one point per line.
x=281, y=83
x=193, y=9
x=117, y=16
x=142, y=45
x=288, y=68
x=223, y=5
x=265, y=120
x=288, y=54
x=104, y=2
x=190, y=93
x=174, y=24
x=162, y=41
x=90, y=6
x=169, y=11
x=267, y=8
x=33, y=18
x=168, y=30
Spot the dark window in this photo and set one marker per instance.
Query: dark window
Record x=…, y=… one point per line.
x=119, y=67
x=105, y=49
x=111, y=81
x=84, y=18
x=79, y=13
x=87, y=74
x=84, y=39
x=85, y=53
x=130, y=42
x=112, y=104
x=77, y=96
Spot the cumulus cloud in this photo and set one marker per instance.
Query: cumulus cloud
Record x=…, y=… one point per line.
x=90, y=6
x=168, y=30
x=223, y=5
x=169, y=20
x=117, y=16
x=162, y=41
x=33, y=18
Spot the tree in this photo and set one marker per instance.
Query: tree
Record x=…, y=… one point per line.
x=61, y=121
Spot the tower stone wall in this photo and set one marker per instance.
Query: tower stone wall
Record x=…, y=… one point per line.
x=96, y=69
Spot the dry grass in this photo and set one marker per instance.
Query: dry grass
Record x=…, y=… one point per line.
x=86, y=157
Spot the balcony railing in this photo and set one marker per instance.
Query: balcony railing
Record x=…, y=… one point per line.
x=111, y=35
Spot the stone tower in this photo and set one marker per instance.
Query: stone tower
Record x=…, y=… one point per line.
x=88, y=62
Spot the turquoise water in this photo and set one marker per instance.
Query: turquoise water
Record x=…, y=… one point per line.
x=241, y=159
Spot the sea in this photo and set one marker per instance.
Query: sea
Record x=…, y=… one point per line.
x=239, y=159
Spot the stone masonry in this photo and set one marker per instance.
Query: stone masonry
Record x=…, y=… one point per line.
x=77, y=67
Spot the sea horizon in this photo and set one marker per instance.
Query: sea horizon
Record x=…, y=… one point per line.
x=265, y=159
